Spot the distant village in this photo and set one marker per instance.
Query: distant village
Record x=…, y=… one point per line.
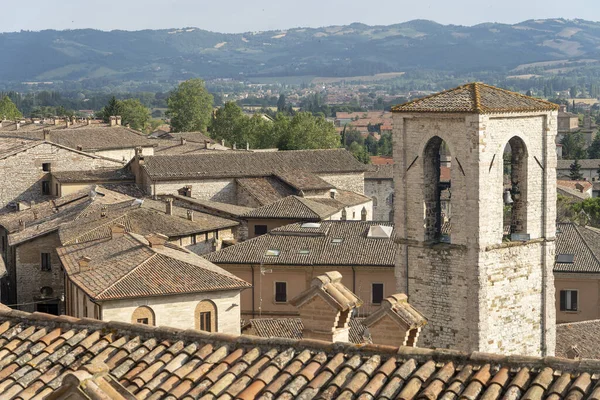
x=173, y=266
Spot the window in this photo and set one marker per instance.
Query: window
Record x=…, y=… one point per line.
x=376, y=293
x=46, y=167
x=565, y=258
x=568, y=300
x=514, y=189
x=205, y=316
x=260, y=230
x=374, y=201
x=280, y=292
x=46, y=187
x=142, y=321
x=205, y=321
x=272, y=253
x=46, y=263
x=143, y=315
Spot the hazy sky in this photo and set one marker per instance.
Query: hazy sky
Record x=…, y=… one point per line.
x=254, y=15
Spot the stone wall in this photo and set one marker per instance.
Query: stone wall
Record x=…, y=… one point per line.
x=221, y=190
x=123, y=154
x=26, y=175
x=29, y=276
x=383, y=191
x=468, y=288
x=178, y=311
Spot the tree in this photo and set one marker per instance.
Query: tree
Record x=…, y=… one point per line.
x=573, y=146
x=575, y=171
x=112, y=109
x=308, y=132
x=594, y=149
x=190, y=107
x=8, y=110
x=227, y=124
x=573, y=92
x=360, y=153
x=134, y=113
x=281, y=103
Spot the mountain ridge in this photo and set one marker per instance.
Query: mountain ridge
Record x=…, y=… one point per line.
x=332, y=51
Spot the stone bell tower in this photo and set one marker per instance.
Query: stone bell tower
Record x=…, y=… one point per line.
x=475, y=181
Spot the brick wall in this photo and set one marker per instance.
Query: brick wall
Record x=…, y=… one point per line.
x=26, y=175
x=469, y=289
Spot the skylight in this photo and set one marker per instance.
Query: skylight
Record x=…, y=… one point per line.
x=310, y=225
x=337, y=240
x=565, y=258
x=272, y=253
x=304, y=251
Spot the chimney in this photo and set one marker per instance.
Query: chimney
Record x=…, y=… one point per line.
x=247, y=146
x=128, y=125
x=35, y=214
x=80, y=148
x=183, y=141
x=118, y=117
x=103, y=211
x=67, y=122
x=190, y=215
x=206, y=143
x=113, y=121
x=156, y=240
x=73, y=120
x=396, y=323
x=117, y=230
x=234, y=146
x=17, y=125
x=21, y=224
x=1, y=123
x=187, y=190
x=46, y=135
x=223, y=142
x=563, y=108
x=56, y=121
x=169, y=208
x=325, y=308
x=333, y=193
x=84, y=263
x=88, y=121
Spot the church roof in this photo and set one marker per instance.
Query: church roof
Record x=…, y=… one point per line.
x=475, y=98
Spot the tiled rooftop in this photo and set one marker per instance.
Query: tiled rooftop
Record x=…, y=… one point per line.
x=218, y=207
x=125, y=266
x=583, y=243
x=293, y=207
x=265, y=190
x=98, y=175
x=38, y=350
x=585, y=164
x=475, y=98
x=250, y=164
x=384, y=171
x=332, y=243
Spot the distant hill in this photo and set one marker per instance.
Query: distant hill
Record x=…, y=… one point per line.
x=335, y=51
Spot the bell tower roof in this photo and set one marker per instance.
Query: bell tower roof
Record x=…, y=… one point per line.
x=476, y=98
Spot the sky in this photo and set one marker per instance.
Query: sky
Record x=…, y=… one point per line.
x=236, y=16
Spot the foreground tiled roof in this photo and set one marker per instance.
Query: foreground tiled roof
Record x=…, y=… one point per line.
x=37, y=351
x=578, y=338
x=341, y=243
x=293, y=207
x=475, y=98
x=125, y=266
x=250, y=164
x=291, y=328
x=583, y=243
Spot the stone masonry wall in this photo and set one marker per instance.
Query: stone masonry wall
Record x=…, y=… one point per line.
x=468, y=289
x=354, y=182
x=26, y=175
x=29, y=275
x=221, y=190
x=383, y=191
x=178, y=311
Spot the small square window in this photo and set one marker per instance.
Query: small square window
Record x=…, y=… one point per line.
x=46, y=167
x=280, y=292
x=260, y=230
x=376, y=293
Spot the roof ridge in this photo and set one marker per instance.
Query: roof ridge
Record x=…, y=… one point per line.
x=396, y=107
x=586, y=243
x=419, y=354
x=476, y=97
x=556, y=106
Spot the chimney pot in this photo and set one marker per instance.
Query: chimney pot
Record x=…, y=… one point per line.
x=113, y=121
x=84, y=263
x=223, y=142
x=169, y=208
x=67, y=122
x=88, y=121
x=118, y=120
x=117, y=230
x=234, y=146
x=247, y=146
x=183, y=141
x=156, y=240
x=190, y=215
x=56, y=121
x=17, y=125
x=103, y=211
x=206, y=143
x=47, y=135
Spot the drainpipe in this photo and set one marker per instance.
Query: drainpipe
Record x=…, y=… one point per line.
x=545, y=243
x=253, y=312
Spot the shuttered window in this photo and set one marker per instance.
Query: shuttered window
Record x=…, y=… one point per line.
x=280, y=292
x=568, y=300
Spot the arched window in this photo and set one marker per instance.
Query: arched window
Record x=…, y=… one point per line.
x=374, y=201
x=205, y=316
x=143, y=315
x=344, y=215
x=437, y=184
x=363, y=214
x=390, y=199
x=514, y=193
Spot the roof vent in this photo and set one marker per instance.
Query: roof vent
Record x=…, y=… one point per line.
x=380, y=232
x=157, y=240
x=310, y=225
x=84, y=263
